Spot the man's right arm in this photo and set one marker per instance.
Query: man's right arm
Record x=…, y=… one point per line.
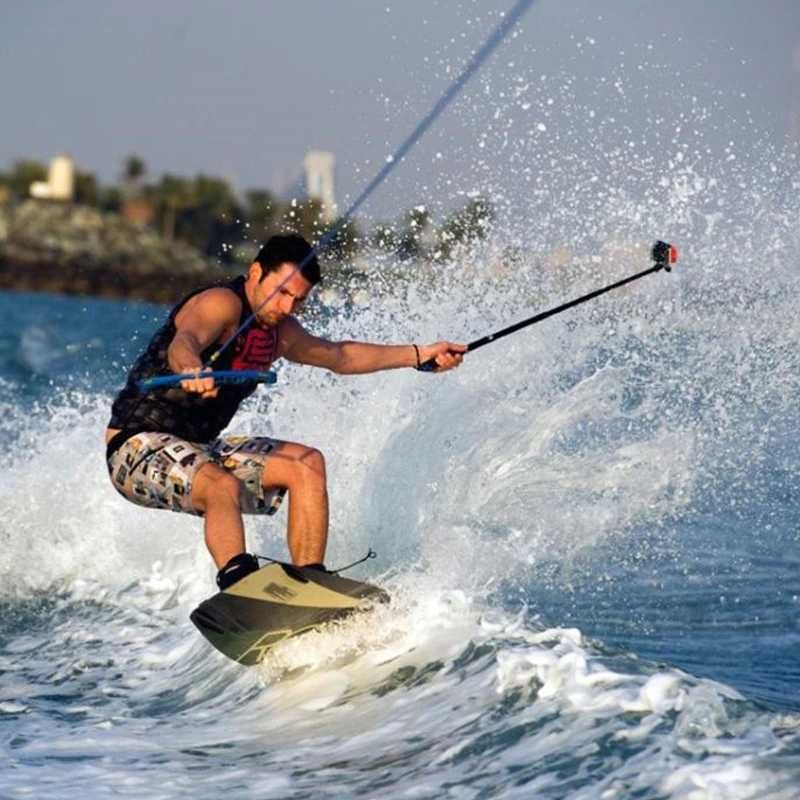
x=199, y=324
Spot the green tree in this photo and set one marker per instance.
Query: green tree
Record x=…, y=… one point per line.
x=307, y=220
x=23, y=174
x=345, y=243
x=384, y=237
x=214, y=221
x=171, y=195
x=202, y=211
x=110, y=198
x=304, y=218
x=134, y=169
x=86, y=190
x=470, y=224
x=262, y=212
x=418, y=236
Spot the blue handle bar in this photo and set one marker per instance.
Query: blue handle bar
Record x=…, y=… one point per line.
x=220, y=377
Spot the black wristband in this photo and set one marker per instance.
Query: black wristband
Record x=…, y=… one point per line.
x=416, y=350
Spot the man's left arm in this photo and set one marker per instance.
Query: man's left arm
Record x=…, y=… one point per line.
x=354, y=358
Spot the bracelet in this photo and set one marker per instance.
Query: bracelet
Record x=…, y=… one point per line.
x=416, y=350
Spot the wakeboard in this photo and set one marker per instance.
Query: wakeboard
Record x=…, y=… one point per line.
x=276, y=602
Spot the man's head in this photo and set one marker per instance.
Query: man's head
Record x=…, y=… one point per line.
x=289, y=249
x=275, y=287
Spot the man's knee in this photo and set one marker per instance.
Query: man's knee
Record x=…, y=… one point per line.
x=296, y=467
x=215, y=485
x=314, y=461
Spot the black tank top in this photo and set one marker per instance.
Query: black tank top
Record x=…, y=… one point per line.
x=180, y=413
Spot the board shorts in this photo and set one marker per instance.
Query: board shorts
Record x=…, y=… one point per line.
x=157, y=470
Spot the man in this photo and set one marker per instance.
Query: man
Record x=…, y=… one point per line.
x=164, y=448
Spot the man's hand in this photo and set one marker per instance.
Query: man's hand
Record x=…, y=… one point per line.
x=203, y=386
x=204, y=320
x=446, y=354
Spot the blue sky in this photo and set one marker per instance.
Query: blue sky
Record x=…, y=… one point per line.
x=243, y=89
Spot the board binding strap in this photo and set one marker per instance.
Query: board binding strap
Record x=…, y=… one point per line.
x=276, y=602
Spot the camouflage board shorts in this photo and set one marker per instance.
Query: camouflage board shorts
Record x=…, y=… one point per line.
x=157, y=470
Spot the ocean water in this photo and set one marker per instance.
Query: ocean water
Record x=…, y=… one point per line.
x=590, y=531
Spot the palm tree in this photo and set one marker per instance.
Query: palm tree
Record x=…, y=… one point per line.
x=134, y=169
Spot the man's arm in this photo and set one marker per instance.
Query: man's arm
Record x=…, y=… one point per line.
x=199, y=324
x=353, y=358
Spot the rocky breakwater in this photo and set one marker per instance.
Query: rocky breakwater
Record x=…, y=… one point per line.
x=73, y=249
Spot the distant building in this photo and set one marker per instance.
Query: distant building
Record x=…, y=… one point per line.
x=138, y=211
x=60, y=183
x=794, y=110
x=319, y=166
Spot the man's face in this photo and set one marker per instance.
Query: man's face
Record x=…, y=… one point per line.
x=283, y=301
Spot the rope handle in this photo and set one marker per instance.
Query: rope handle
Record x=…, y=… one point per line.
x=223, y=376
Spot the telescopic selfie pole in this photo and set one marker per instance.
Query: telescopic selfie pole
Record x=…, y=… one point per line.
x=664, y=255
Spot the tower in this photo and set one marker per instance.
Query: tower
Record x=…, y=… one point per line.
x=319, y=166
x=794, y=102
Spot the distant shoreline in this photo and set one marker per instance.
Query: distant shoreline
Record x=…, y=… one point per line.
x=103, y=283
x=72, y=249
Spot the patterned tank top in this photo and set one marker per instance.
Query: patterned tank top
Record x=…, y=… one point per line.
x=180, y=413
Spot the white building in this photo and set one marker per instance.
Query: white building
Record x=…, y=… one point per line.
x=60, y=183
x=319, y=166
x=794, y=107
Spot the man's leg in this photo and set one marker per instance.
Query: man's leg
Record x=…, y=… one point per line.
x=158, y=470
x=215, y=492
x=301, y=471
x=162, y=471
x=295, y=468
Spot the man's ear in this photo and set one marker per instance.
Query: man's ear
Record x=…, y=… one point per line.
x=256, y=271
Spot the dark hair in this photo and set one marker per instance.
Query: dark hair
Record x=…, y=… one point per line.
x=290, y=248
